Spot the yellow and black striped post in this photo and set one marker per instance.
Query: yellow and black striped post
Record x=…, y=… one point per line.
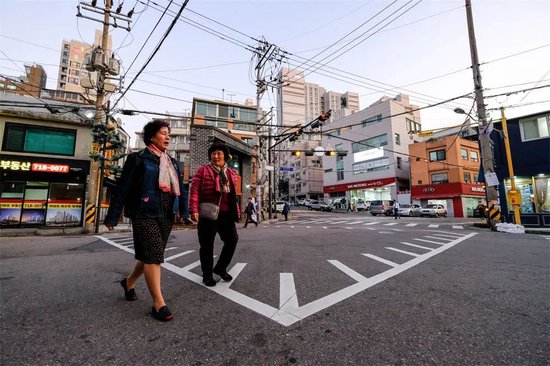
x=90, y=213
x=494, y=215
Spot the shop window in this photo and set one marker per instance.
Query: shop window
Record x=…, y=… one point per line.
x=464, y=154
x=372, y=121
x=26, y=138
x=437, y=155
x=473, y=156
x=11, y=201
x=476, y=177
x=440, y=178
x=467, y=177
x=34, y=204
x=397, y=139
x=65, y=204
x=399, y=163
x=541, y=194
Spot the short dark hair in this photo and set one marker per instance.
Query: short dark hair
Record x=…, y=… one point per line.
x=221, y=147
x=151, y=129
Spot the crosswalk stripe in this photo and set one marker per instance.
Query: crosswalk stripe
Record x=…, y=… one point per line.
x=438, y=238
x=391, y=224
x=416, y=245
x=338, y=222
x=381, y=260
x=350, y=272
x=411, y=225
x=371, y=223
x=404, y=252
x=434, y=225
x=178, y=255
x=429, y=241
x=458, y=227
x=354, y=222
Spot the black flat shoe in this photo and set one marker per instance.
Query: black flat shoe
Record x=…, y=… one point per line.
x=164, y=315
x=224, y=275
x=209, y=281
x=130, y=294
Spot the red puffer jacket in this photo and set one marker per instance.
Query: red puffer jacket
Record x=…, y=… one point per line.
x=203, y=189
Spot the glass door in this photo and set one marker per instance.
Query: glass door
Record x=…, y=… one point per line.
x=34, y=204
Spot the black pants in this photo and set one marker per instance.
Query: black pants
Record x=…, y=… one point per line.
x=207, y=230
x=395, y=213
x=249, y=219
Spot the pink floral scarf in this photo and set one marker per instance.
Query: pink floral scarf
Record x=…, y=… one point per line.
x=168, y=178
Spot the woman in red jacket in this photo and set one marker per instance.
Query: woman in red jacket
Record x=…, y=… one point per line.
x=214, y=185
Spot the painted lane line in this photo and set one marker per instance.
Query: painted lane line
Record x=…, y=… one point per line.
x=287, y=292
x=435, y=237
x=458, y=227
x=397, y=229
x=391, y=224
x=350, y=272
x=381, y=260
x=125, y=241
x=324, y=227
x=448, y=233
x=411, y=225
x=416, y=245
x=348, y=228
x=430, y=241
x=371, y=223
x=115, y=244
x=171, y=248
x=337, y=222
x=308, y=227
x=191, y=266
x=404, y=252
x=234, y=272
x=354, y=222
x=370, y=228
x=434, y=225
x=178, y=255
x=386, y=232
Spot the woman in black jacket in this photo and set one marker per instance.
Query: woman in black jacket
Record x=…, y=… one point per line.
x=151, y=191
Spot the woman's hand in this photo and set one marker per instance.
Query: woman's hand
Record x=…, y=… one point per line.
x=195, y=216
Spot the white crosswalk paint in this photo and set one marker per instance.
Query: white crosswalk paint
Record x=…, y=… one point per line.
x=337, y=222
x=391, y=224
x=416, y=245
x=411, y=225
x=350, y=272
x=435, y=237
x=458, y=227
x=433, y=225
x=171, y=248
x=429, y=241
x=404, y=252
x=178, y=255
x=371, y=223
x=354, y=222
x=381, y=260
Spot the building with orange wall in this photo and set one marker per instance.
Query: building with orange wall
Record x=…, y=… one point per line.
x=445, y=171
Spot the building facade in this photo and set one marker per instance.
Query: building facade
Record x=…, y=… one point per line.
x=376, y=140
x=530, y=149
x=445, y=171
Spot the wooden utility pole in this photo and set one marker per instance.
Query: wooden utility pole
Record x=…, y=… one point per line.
x=484, y=139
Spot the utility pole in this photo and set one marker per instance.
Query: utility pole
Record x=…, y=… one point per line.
x=100, y=62
x=514, y=195
x=484, y=139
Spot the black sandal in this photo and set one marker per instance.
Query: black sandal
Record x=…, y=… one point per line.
x=164, y=315
x=130, y=294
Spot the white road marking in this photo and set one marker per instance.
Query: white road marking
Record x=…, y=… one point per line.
x=125, y=241
x=287, y=292
x=291, y=312
x=410, y=225
x=404, y=252
x=434, y=225
x=385, y=232
x=435, y=237
x=447, y=233
x=381, y=260
x=308, y=227
x=397, y=230
x=458, y=227
x=171, y=248
x=337, y=222
x=429, y=241
x=371, y=223
x=391, y=224
x=350, y=272
x=354, y=222
x=178, y=255
x=324, y=227
x=416, y=245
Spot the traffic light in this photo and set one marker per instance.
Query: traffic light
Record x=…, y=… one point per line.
x=295, y=135
x=342, y=153
x=296, y=153
x=330, y=153
x=322, y=118
x=309, y=152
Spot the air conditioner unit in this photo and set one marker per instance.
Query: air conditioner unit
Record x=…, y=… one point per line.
x=114, y=66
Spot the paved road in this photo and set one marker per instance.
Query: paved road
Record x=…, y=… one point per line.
x=306, y=292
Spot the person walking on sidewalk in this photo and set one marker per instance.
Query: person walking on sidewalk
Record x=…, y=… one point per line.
x=396, y=209
x=286, y=210
x=152, y=193
x=249, y=210
x=214, y=184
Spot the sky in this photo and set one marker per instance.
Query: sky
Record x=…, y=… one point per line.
x=419, y=48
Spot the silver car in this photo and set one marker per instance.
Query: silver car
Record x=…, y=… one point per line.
x=434, y=210
x=410, y=210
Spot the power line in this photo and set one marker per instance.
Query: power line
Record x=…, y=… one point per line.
x=154, y=51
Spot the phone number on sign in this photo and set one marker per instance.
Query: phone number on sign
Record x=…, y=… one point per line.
x=52, y=168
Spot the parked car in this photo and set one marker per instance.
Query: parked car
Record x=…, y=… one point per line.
x=361, y=205
x=381, y=207
x=409, y=210
x=480, y=211
x=307, y=202
x=323, y=206
x=301, y=202
x=278, y=207
x=434, y=210
x=314, y=205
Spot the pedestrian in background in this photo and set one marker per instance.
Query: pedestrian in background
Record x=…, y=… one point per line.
x=249, y=210
x=286, y=210
x=214, y=184
x=396, y=209
x=152, y=193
